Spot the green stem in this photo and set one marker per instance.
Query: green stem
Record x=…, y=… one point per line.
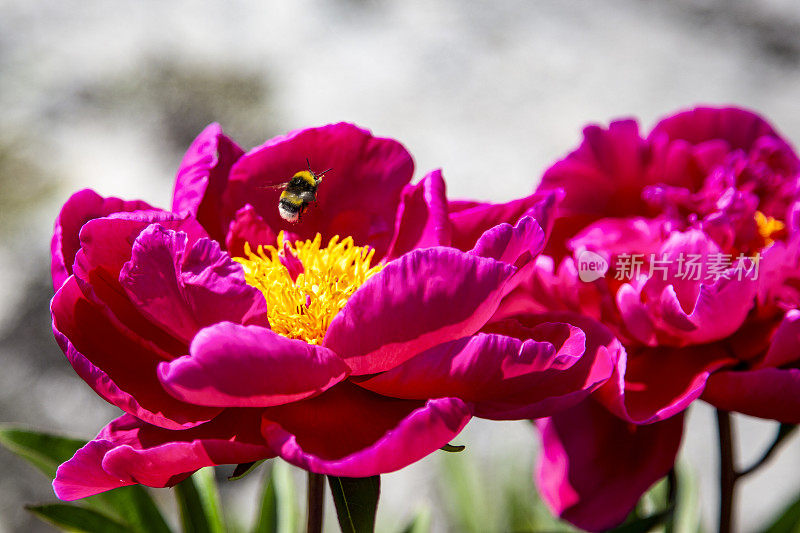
x=727, y=472
x=316, y=502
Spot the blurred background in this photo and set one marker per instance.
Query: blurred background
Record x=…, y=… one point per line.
x=108, y=94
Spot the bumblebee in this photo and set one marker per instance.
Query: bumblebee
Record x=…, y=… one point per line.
x=298, y=192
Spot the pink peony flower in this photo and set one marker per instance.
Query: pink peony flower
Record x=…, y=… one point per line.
x=720, y=187
x=352, y=343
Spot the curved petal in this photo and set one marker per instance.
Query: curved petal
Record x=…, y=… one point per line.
x=128, y=451
x=349, y=431
x=202, y=177
x=248, y=227
x=526, y=372
x=783, y=347
x=696, y=297
x=771, y=393
x=662, y=381
x=511, y=244
x=620, y=235
x=184, y=289
x=595, y=467
x=118, y=364
x=422, y=218
x=739, y=128
x=79, y=209
x=470, y=220
x=418, y=301
x=358, y=196
x=249, y=366
x=106, y=245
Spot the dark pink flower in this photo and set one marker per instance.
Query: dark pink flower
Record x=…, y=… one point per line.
x=719, y=186
x=353, y=343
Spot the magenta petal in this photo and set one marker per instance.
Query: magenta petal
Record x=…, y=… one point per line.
x=620, y=235
x=237, y=366
x=424, y=298
x=660, y=382
x=83, y=474
x=248, y=227
x=348, y=431
x=470, y=220
x=422, y=218
x=738, y=127
x=595, y=467
x=503, y=376
x=184, y=289
x=783, y=348
x=358, y=196
x=771, y=393
x=508, y=243
x=81, y=207
x=202, y=178
x=118, y=364
x=128, y=451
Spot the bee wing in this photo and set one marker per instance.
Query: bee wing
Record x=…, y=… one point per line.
x=276, y=186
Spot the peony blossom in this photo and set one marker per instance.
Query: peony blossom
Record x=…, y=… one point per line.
x=353, y=343
x=718, y=187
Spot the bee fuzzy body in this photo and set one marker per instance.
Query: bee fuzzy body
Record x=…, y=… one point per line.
x=300, y=191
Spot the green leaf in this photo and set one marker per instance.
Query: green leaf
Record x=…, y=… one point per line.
x=643, y=525
x=209, y=496
x=356, y=500
x=192, y=496
x=421, y=523
x=268, y=510
x=464, y=490
x=43, y=450
x=452, y=448
x=74, y=518
x=243, y=469
x=133, y=506
x=788, y=521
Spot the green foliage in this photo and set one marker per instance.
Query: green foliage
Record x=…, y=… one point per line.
x=77, y=518
x=278, y=512
x=788, y=521
x=356, y=501
x=131, y=508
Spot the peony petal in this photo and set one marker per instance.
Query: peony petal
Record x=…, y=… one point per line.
x=662, y=381
x=79, y=209
x=771, y=393
x=250, y=366
x=358, y=196
x=248, y=227
x=128, y=451
x=783, y=345
x=508, y=243
x=418, y=301
x=472, y=219
x=526, y=372
x=118, y=364
x=740, y=128
x=202, y=177
x=106, y=245
x=595, y=467
x=399, y=432
x=185, y=289
x=422, y=218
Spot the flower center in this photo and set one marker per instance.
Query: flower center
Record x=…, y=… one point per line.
x=306, y=285
x=768, y=227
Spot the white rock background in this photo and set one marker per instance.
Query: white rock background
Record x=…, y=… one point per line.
x=105, y=95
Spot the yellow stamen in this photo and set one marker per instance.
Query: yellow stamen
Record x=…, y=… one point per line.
x=303, y=308
x=768, y=227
